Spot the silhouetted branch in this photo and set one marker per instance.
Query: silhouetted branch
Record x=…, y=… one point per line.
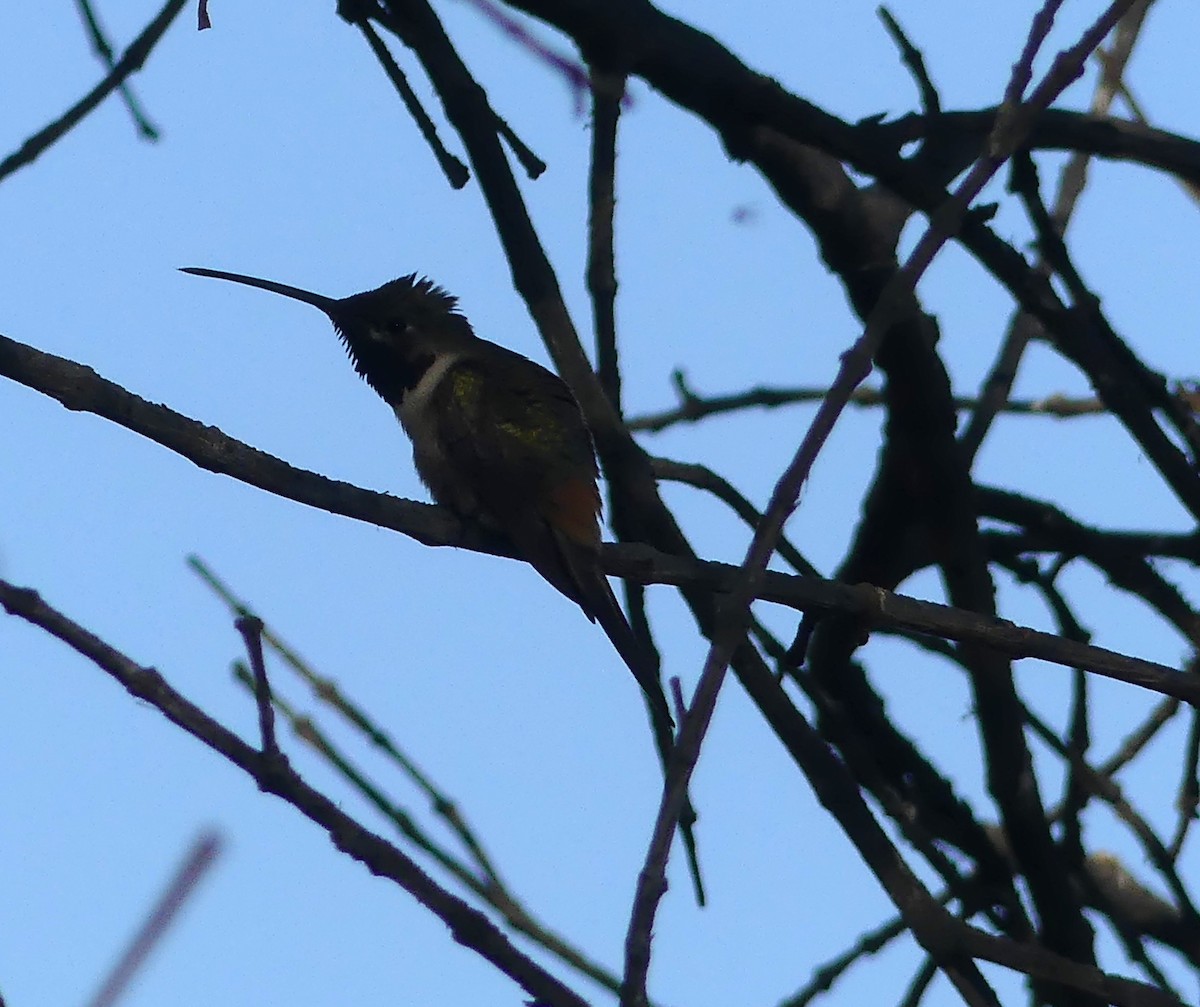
x=825, y=975
x=759, y=121
x=702, y=477
x=80, y=388
x=485, y=880
x=251, y=627
x=104, y=50
x=931, y=104
x=1049, y=888
x=455, y=171
x=130, y=62
x=694, y=407
x=607, y=87
x=571, y=70
x=468, y=926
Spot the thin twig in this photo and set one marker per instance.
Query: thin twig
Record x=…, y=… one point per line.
x=489, y=888
x=251, y=628
x=534, y=166
x=1139, y=114
x=1139, y=738
x=468, y=926
x=1189, y=787
x=327, y=691
x=825, y=975
x=1135, y=948
x=704, y=478
x=918, y=986
x=359, y=12
x=146, y=129
x=607, y=86
x=455, y=171
x=931, y=104
x=200, y=858
x=571, y=70
x=1023, y=327
x=1073, y=178
x=130, y=62
x=693, y=407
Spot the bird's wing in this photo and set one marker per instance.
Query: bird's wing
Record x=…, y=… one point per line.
x=524, y=449
x=528, y=421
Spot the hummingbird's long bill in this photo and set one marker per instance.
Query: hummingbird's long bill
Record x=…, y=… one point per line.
x=326, y=304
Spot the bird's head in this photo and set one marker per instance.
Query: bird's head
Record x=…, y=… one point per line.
x=392, y=333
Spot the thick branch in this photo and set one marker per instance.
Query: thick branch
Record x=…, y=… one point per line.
x=80, y=388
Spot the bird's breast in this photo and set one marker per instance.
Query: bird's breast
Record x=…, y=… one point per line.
x=416, y=412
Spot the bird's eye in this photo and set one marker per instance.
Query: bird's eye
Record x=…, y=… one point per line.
x=397, y=326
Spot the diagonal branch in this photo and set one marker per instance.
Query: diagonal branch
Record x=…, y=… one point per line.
x=468, y=926
x=200, y=858
x=80, y=388
x=104, y=50
x=480, y=875
x=130, y=62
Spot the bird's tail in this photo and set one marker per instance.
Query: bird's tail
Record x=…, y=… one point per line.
x=602, y=604
x=604, y=607
x=574, y=569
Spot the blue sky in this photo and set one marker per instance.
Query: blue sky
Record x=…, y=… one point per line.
x=286, y=154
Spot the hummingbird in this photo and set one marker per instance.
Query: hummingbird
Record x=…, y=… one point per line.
x=498, y=439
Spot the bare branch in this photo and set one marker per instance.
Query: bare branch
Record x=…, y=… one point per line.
x=80, y=388
x=468, y=926
x=199, y=860
x=455, y=171
x=130, y=62
x=693, y=407
x=484, y=879
x=104, y=50
x=251, y=627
